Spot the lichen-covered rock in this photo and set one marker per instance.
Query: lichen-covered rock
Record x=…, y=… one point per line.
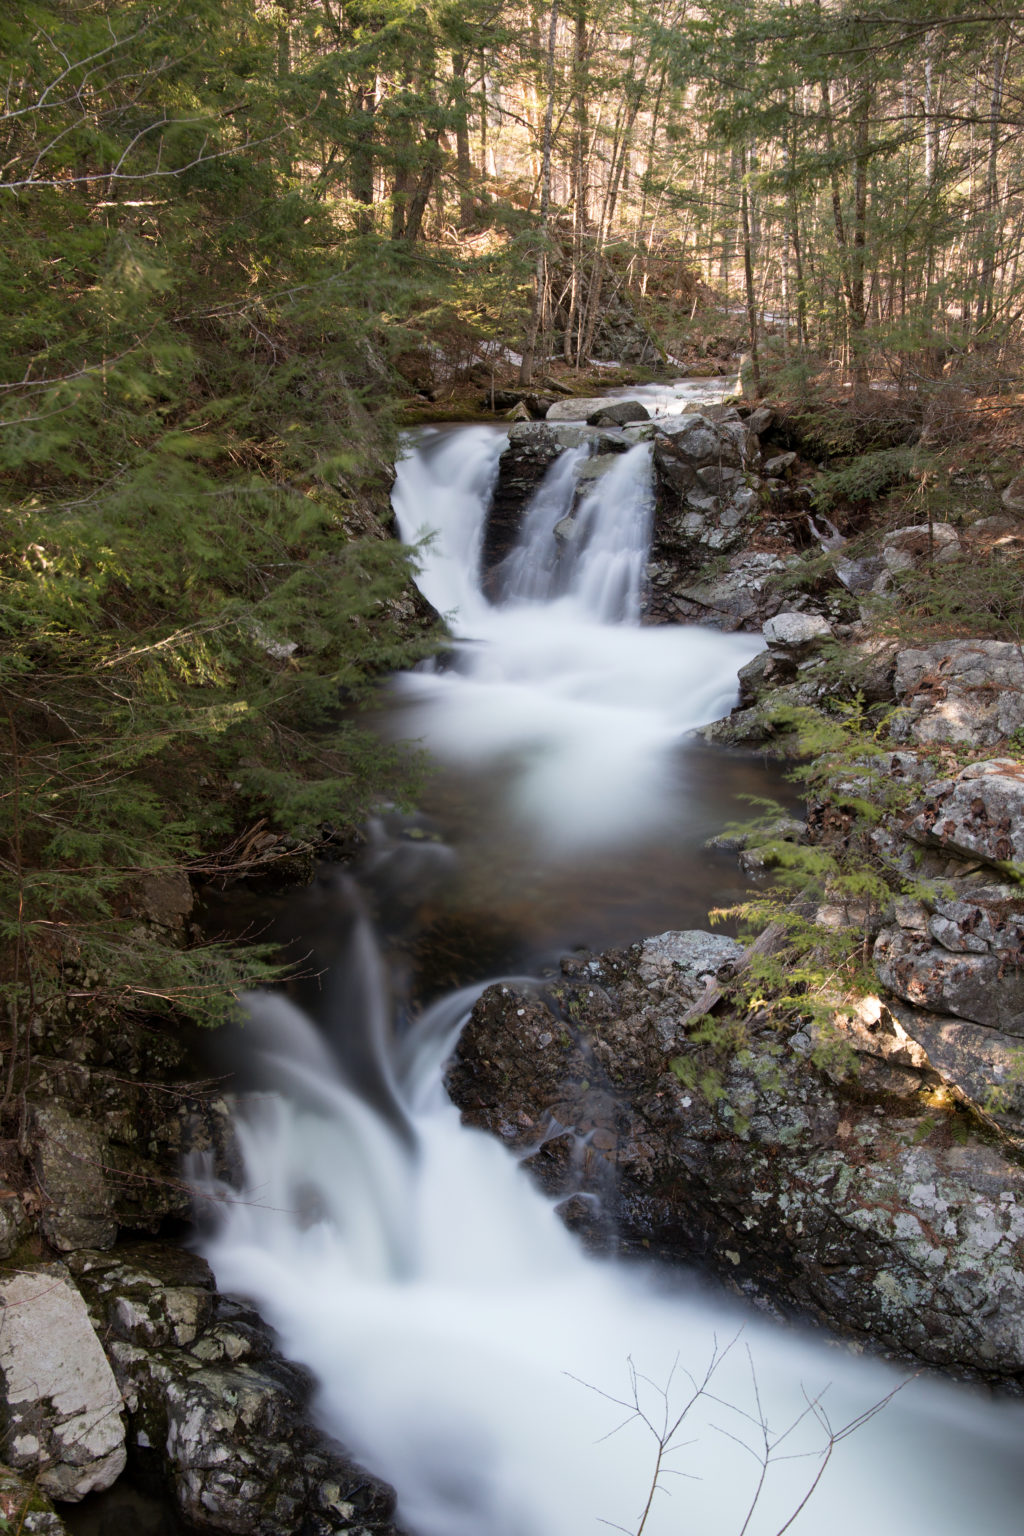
x=740, y=597
x=214, y=1411
x=906, y=548
x=61, y=1406
x=968, y=691
x=969, y=985
x=70, y=1160
x=796, y=633
x=618, y=413
x=982, y=1063
x=109, y=1142
x=979, y=814
x=960, y=952
x=845, y=1197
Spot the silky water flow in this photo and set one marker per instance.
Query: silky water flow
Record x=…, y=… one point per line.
x=465, y=1346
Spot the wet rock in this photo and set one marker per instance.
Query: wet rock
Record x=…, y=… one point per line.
x=967, y=691
x=618, y=413
x=532, y=448
x=841, y=1194
x=25, y=1508
x=61, y=1405
x=214, y=1411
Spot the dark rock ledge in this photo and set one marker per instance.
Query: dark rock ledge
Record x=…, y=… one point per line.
x=870, y=1203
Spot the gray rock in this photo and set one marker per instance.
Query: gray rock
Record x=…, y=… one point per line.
x=982, y=1063
x=213, y=1408
x=166, y=900
x=687, y=959
x=695, y=440
x=618, y=413
x=575, y=410
x=967, y=691
x=1013, y=496
x=761, y=420
x=976, y=986
x=980, y=814
x=779, y=465
x=61, y=1405
x=796, y=633
x=71, y=1156
x=905, y=548
x=597, y=465
x=740, y=596
x=847, y=1200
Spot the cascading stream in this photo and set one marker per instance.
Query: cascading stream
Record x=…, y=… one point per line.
x=465, y=1346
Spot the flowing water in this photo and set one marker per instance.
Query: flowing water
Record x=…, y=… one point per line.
x=466, y=1347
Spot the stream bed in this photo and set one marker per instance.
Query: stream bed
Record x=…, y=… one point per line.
x=466, y=1347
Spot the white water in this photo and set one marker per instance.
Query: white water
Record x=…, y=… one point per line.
x=467, y=1349
x=559, y=687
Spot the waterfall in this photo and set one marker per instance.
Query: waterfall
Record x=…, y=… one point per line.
x=558, y=687
x=470, y=1352
x=465, y=1347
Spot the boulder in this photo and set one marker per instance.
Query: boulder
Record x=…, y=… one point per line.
x=981, y=1063
x=576, y=409
x=532, y=448
x=963, y=691
x=905, y=548
x=979, y=814
x=618, y=413
x=214, y=1411
x=796, y=634
x=71, y=1159
x=761, y=420
x=740, y=597
x=61, y=1405
x=1013, y=496
x=971, y=985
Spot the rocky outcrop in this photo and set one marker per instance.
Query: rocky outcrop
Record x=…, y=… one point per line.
x=729, y=514
x=214, y=1412
x=816, y=1174
x=967, y=691
x=61, y=1406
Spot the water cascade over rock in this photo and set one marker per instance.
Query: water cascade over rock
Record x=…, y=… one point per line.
x=466, y=1348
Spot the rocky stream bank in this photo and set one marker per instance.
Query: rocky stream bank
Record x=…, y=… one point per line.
x=878, y=1189
x=868, y=1176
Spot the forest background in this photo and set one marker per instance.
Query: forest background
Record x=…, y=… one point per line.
x=236, y=235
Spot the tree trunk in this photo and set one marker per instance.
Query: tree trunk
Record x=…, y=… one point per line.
x=540, y=273
x=748, y=278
